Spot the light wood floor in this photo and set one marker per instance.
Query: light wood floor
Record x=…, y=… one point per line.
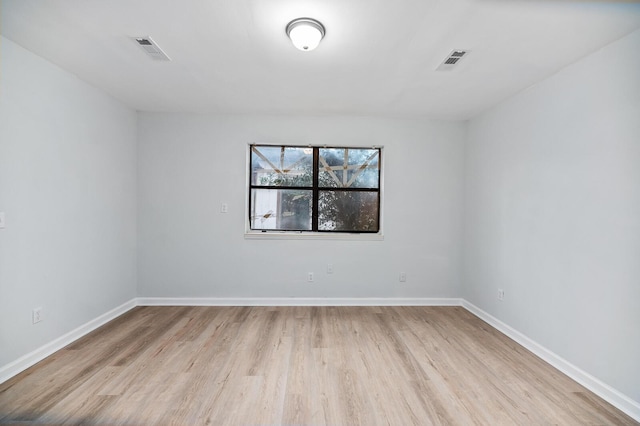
x=298, y=366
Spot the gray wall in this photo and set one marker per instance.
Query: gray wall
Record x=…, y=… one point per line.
x=67, y=187
x=552, y=214
x=190, y=164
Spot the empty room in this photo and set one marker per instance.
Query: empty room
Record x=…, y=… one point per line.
x=319, y=212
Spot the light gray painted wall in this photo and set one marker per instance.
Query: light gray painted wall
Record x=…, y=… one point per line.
x=552, y=214
x=67, y=186
x=190, y=164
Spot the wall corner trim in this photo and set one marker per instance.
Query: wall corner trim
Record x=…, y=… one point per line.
x=13, y=368
x=604, y=391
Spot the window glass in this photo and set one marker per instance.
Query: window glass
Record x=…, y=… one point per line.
x=287, y=209
x=349, y=168
x=281, y=166
x=348, y=211
x=328, y=189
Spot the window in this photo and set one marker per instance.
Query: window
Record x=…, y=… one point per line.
x=314, y=189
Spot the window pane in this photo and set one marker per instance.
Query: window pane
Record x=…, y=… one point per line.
x=283, y=209
x=281, y=166
x=348, y=168
x=353, y=211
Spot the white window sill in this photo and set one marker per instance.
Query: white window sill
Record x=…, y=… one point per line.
x=291, y=235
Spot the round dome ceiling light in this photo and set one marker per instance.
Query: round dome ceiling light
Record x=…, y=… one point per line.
x=305, y=33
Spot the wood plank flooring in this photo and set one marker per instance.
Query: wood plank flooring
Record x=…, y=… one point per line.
x=298, y=366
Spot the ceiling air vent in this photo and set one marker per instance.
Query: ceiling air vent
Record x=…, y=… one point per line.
x=452, y=60
x=152, y=49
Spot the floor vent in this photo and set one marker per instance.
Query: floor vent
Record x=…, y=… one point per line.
x=452, y=60
x=152, y=49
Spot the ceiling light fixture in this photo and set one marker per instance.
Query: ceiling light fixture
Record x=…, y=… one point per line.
x=305, y=33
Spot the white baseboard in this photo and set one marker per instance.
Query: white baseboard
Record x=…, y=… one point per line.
x=296, y=301
x=604, y=391
x=26, y=361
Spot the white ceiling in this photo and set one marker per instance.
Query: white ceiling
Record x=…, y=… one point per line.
x=378, y=57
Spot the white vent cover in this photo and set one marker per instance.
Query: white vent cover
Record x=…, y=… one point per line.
x=452, y=60
x=152, y=49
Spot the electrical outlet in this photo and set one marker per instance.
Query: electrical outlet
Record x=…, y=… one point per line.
x=500, y=294
x=403, y=277
x=2, y=220
x=224, y=208
x=310, y=277
x=329, y=268
x=36, y=315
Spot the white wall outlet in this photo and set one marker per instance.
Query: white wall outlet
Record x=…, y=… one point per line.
x=2, y=223
x=224, y=208
x=500, y=294
x=329, y=268
x=403, y=277
x=310, y=277
x=36, y=315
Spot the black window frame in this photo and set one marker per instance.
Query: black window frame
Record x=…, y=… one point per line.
x=315, y=189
